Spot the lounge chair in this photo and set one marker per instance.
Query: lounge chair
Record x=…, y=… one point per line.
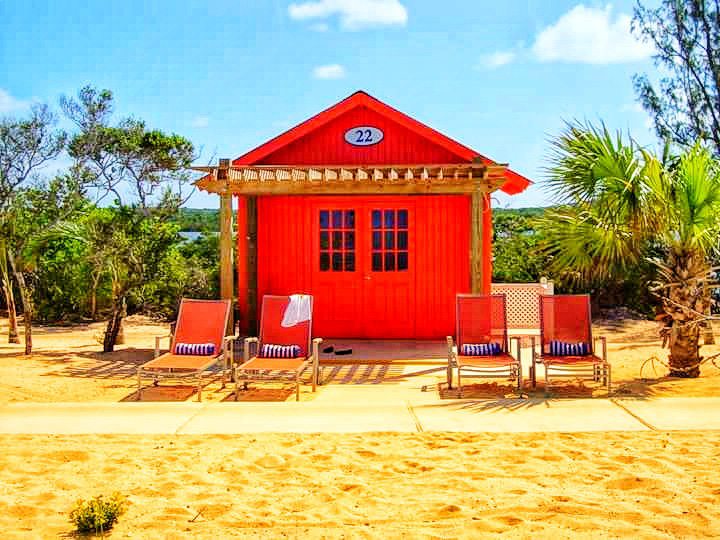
x=482, y=341
x=199, y=342
x=270, y=361
x=567, y=347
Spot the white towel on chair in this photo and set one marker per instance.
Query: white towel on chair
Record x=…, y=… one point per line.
x=298, y=310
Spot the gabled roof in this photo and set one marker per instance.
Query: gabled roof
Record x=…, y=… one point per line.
x=515, y=182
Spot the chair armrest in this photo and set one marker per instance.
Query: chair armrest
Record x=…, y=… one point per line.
x=604, y=346
x=229, y=351
x=157, y=343
x=518, y=341
x=246, y=348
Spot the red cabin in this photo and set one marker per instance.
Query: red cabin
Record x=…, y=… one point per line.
x=381, y=218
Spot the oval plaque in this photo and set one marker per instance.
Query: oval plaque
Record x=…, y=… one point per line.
x=363, y=135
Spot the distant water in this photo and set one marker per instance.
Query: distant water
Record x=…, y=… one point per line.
x=189, y=236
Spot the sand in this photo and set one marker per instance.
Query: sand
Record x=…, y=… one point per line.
x=603, y=485
x=67, y=365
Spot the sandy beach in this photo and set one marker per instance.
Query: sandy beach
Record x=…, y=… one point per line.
x=603, y=485
x=67, y=365
x=375, y=485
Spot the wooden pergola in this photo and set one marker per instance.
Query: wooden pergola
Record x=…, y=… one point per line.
x=476, y=179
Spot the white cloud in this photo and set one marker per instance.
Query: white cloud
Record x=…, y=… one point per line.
x=319, y=27
x=330, y=71
x=590, y=36
x=497, y=59
x=200, y=122
x=354, y=14
x=9, y=104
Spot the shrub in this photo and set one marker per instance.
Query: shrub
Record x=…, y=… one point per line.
x=97, y=514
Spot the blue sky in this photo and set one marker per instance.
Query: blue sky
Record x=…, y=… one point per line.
x=499, y=77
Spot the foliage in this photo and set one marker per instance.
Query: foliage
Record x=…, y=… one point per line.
x=197, y=219
x=25, y=146
x=98, y=514
x=625, y=207
x=516, y=258
x=126, y=156
x=685, y=106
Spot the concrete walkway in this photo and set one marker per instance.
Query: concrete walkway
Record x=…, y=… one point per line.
x=361, y=411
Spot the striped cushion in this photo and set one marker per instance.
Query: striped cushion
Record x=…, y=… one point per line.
x=195, y=349
x=563, y=348
x=481, y=349
x=279, y=351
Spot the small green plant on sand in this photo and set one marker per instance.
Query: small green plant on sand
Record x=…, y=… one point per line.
x=98, y=514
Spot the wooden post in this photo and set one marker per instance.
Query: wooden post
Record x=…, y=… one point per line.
x=487, y=238
x=226, y=252
x=476, y=242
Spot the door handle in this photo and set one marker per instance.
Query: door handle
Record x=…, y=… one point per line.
x=367, y=277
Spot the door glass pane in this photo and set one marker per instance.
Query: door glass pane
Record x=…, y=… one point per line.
x=337, y=240
x=402, y=219
x=324, y=261
x=402, y=240
x=337, y=262
x=390, y=239
x=402, y=260
x=337, y=220
x=389, y=219
x=377, y=240
x=377, y=262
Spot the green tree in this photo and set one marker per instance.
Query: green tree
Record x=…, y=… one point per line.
x=685, y=105
x=146, y=167
x=26, y=145
x=626, y=206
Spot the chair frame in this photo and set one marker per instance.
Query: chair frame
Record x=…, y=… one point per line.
x=492, y=369
x=595, y=368
x=248, y=375
x=226, y=355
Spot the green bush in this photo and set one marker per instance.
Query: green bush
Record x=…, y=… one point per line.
x=97, y=514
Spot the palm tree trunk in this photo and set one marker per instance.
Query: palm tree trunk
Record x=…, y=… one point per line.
x=684, y=356
x=26, y=299
x=13, y=335
x=114, y=326
x=6, y=282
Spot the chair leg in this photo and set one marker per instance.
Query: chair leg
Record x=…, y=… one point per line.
x=547, y=380
x=449, y=376
x=199, y=380
x=519, y=378
x=139, y=386
x=608, y=379
x=297, y=386
x=459, y=383
x=237, y=386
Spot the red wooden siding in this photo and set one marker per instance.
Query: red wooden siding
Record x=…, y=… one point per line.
x=326, y=146
x=288, y=263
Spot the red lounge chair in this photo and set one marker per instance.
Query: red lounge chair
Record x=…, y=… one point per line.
x=482, y=319
x=257, y=368
x=565, y=319
x=198, y=322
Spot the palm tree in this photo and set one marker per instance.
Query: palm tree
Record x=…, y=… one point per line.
x=625, y=206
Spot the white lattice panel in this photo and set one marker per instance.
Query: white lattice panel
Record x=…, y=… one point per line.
x=523, y=302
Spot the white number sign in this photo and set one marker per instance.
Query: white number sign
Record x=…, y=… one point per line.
x=363, y=135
